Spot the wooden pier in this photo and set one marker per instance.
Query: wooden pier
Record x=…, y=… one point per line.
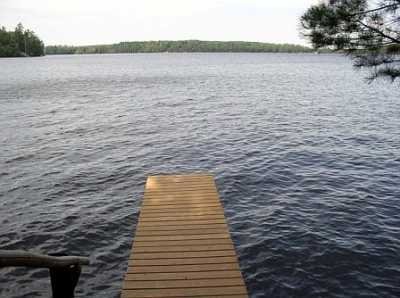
x=182, y=246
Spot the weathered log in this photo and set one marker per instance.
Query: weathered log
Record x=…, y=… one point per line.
x=64, y=270
x=18, y=258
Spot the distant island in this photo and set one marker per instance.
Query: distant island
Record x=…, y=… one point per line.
x=20, y=43
x=178, y=46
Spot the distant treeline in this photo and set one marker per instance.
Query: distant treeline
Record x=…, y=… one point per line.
x=179, y=46
x=19, y=43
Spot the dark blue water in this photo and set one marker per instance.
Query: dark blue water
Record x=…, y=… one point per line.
x=306, y=156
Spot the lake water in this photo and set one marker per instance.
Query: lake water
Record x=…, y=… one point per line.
x=306, y=157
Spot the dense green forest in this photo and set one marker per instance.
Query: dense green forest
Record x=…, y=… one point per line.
x=178, y=46
x=20, y=43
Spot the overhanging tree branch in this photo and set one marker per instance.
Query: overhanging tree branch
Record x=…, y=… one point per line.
x=379, y=32
x=371, y=36
x=393, y=6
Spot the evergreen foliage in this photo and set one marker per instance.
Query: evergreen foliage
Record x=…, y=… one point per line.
x=19, y=43
x=368, y=31
x=178, y=46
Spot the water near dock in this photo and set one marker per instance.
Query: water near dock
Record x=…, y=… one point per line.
x=305, y=154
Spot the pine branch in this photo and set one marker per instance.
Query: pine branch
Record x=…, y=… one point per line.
x=379, y=32
x=394, y=6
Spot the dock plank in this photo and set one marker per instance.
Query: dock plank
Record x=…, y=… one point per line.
x=183, y=248
x=182, y=245
x=184, y=261
x=200, y=283
x=183, y=268
x=180, y=227
x=182, y=275
x=180, y=255
x=141, y=232
x=184, y=292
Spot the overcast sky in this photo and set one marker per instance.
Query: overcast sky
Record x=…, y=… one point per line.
x=80, y=22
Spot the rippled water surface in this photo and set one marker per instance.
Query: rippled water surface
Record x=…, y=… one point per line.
x=305, y=153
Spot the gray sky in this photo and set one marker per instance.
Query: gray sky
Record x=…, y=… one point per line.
x=80, y=22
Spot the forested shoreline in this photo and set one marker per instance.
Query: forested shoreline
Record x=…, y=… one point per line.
x=24, y=42
x=178, y=46
x=20, y=43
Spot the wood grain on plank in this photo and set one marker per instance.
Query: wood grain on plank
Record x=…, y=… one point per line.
x=199, y=283
x=183, y=275
x=181, y=227
x=183, y=268
x=182, y=242
x=183, y=261
x=182, y=248
x=188, y=222
x=180, y=255
x=181, y=232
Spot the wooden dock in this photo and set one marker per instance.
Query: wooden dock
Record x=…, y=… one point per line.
x=182, y=246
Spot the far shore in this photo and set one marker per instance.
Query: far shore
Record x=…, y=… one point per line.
x=180, y=46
